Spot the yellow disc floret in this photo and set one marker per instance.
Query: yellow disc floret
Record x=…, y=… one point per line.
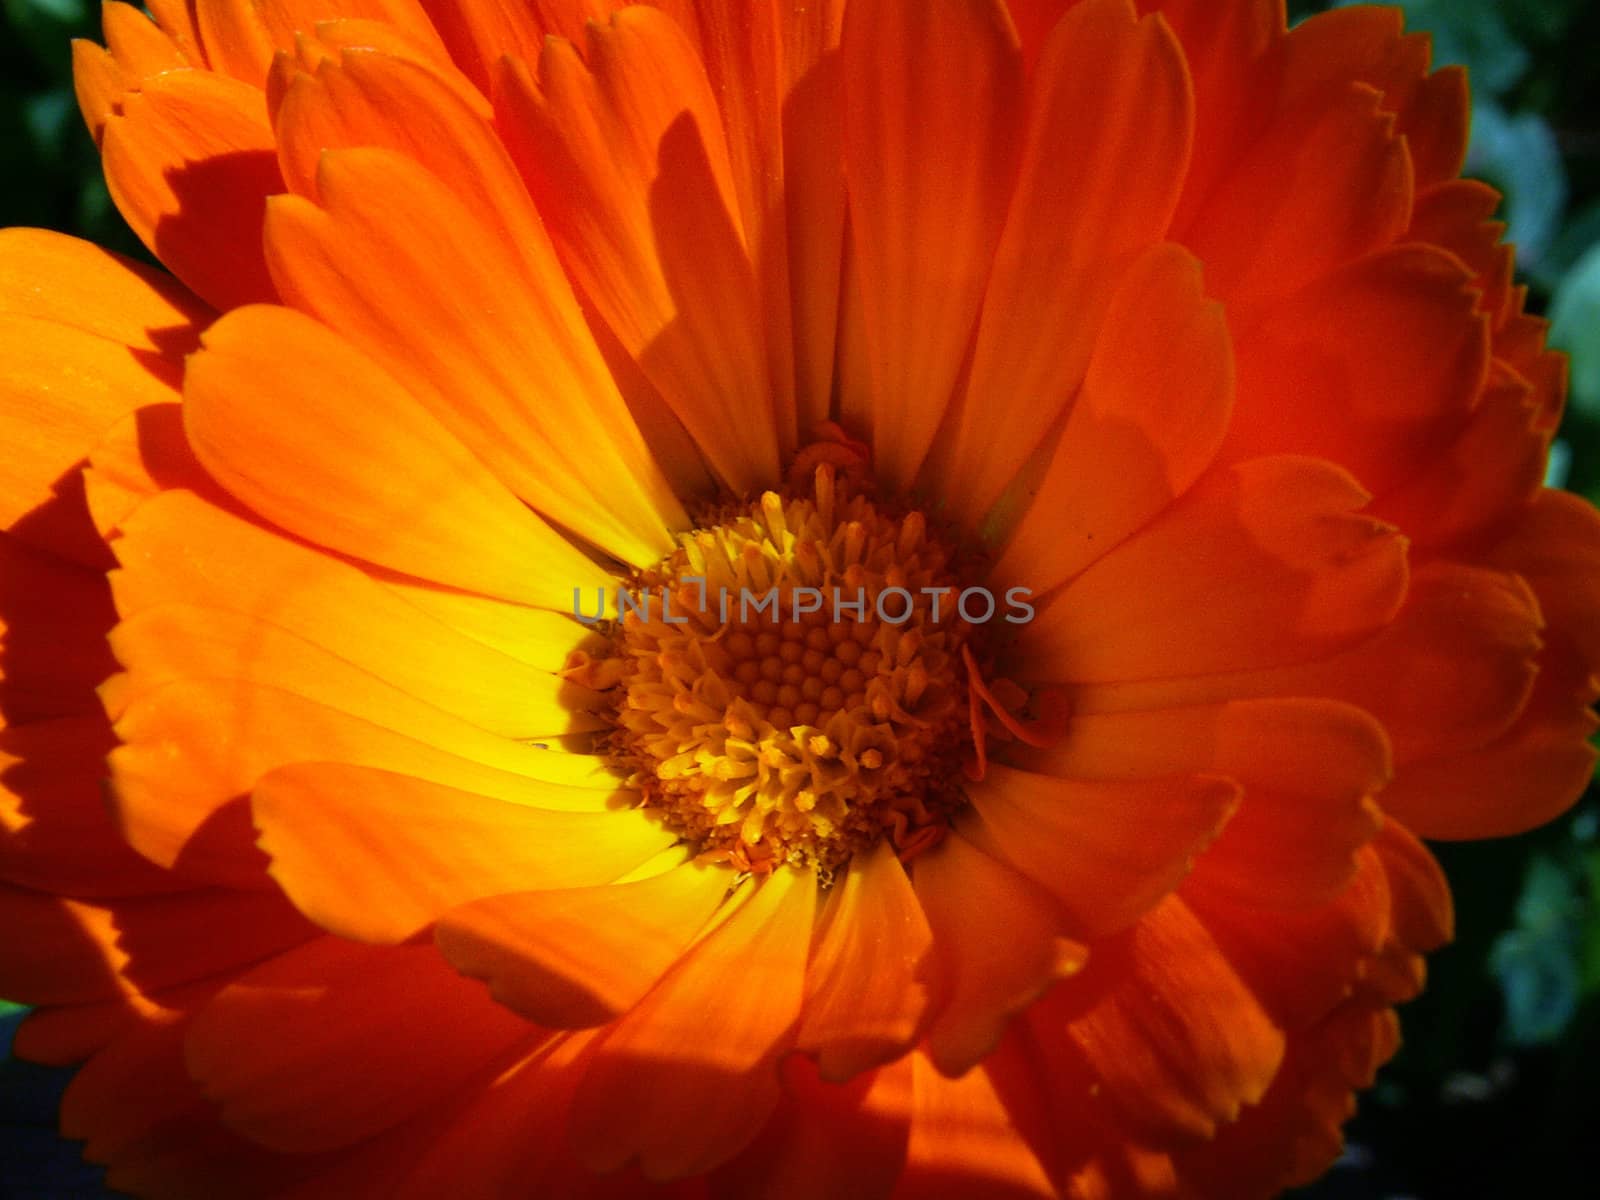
x=789, y=681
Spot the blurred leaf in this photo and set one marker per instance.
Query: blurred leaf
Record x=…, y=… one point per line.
x=1537, y=963
x=1575, y=328
x=1519, y=155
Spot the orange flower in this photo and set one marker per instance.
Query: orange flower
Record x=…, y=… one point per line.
x=1125, y=416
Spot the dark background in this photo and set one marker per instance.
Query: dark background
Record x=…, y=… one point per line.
x=1495, y=1091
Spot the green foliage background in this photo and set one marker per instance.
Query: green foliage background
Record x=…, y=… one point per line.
x=1495, y=1091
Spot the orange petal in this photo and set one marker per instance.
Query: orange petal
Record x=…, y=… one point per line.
x=965, y=1140
x=626, y=159
x=1148, y=420
x=582, y=956
x=481, y=32
x=1097, y=186
x=241, y=36
x=55, y=834
x=1233, y=53
x=376, y=857
x=1308, y=768
x=62, y=391
x=257, y=415
x=1423, y=911
x=1264, y=562
x=180, y=548
x=826, y=1140
x=1456, y=216
x=813, y=178
x=1384, y=358
x=503, y=358
x=1328, y=183
x=171, y=642
x=1299, y=962
x=96, y=291
x=54, y=617
x=663, y=1091
x=179, y=778
x=140, y=46
x=190, y=163
x=61, y=951
x=1177, y=1039
x=1366, y=44
x=985, y=980
x=925, y=82
x=1481, y=477
x=1529, y=775
x=1108, y=851
x=1555, y=547
x=1295, y=1134
x=261, y=1048
x=866, y=989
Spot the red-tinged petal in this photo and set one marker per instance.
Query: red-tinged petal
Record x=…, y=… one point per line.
x=257, y=415
x=1555, y=547
x=261, y=1048
x=479, y=33
x=54, y=617
x=867, y=985
x=965, y=1140
x=1327, y=184
x=925, y=81
x=983, y=980
x=1233, y=53
x=626, y=159
x=1107, y=145
x=60, y=951
x=503, y=358
x=1531, y=774
x=677, y=1097
x=581, y=957
x=62, y=391
x=1384, y=359
x=1148, y=420
x=1450, y=674
x=1422, y=910
x=1107, y=851
x=813, y=177
x=1309, y=769
x=1175, y=1036
x=825, y=1139
x=377, y=857
x=1456, y=216
x=1365, y=44
x=55, y=833
x=1482, y=477
x=241, y=36
x=1294, y=1134
x=179, y=779
x=1299, y=963
x=190, y=163
x=742, y=45
x=139, y=1111
x=1264, y=562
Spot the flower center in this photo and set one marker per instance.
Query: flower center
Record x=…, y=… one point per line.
x=790, y=682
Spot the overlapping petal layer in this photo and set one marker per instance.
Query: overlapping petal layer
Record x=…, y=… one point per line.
x=1166, y=314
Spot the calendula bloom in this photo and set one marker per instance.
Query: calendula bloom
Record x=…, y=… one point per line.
x=764, y=599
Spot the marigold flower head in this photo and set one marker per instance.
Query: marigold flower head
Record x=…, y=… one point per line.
x=1066, y=478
